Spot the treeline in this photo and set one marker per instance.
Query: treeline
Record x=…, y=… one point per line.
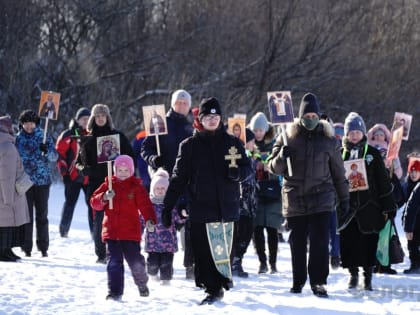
x=359, y=55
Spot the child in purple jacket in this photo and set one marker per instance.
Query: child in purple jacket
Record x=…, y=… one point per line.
x=161, y=243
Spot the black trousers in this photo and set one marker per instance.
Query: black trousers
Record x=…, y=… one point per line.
x=315, y=228
x=188, y=252
x=242, y=235
x=206, y=274
x=37, y=197
x=162, y=263
x=71, y=194
x=273, y=241
x=96, y=231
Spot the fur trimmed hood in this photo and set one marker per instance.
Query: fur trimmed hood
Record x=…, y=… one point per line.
x=295, y=128
x=381, y=144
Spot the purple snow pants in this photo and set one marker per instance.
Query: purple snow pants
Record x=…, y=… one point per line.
x=130, y=250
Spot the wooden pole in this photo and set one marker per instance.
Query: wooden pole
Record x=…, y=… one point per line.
x=289, y=164
x=109, y=166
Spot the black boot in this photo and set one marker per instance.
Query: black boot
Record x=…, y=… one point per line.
x=367, y=273
x=5, y=256
x=12, y=254
x=212, y=297
x=237, y=269
x=354, y=277
x=263, y=268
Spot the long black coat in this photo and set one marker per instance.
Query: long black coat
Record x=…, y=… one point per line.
x=179, y=128
x=371, y=205
x=202, y=169
x=358, y=241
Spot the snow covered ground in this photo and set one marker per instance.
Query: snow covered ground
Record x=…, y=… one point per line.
x=70, y=282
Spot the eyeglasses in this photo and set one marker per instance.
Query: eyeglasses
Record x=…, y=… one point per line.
x=211, y=117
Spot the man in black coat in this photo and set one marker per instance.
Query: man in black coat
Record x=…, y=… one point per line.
x=99, y=125
x=212, y=183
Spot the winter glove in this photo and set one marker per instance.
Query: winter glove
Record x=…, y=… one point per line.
x=285, y=152
x=157, y=161
x=150, y=226
x=166, y=217
x=108, y=195
x=344, y=214
x=66, y=179
x=44, y=148
x=233, y=173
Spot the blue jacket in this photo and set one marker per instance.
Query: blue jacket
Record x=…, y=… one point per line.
x=36, y=164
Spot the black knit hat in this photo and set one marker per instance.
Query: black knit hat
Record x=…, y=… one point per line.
x=83, y=111
x=209, y=106
x=28, y=116
x=309, y=104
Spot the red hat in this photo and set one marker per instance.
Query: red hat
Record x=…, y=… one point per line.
x=414, y=165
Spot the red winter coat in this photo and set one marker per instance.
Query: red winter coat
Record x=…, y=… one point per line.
x=131, y=200
x=67, y=147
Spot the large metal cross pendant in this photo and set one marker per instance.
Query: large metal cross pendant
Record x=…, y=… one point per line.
x=233, y=156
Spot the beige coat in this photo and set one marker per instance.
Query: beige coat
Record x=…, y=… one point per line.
x=13, y=207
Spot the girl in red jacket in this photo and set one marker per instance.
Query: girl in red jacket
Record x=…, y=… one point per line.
x=121, y=230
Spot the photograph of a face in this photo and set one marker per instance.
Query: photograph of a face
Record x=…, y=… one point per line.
x=107, y=148
x=356, y=174
x=280, y=107
x=402, y=120
x=155, y=120
x=49, y=105
x=236, y=127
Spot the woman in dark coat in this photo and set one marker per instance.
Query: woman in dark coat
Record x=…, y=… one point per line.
x=212, y=184
x=358, y=241
x=268, y=215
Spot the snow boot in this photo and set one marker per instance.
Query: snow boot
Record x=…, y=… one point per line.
x=354, y=277
x=367, y=273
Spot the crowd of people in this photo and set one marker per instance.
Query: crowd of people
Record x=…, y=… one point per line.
x=203, y=183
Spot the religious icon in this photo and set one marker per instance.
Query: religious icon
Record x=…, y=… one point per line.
x=395, y=143
x=404, y=120
x=155, y=120
x=236, y=127
x=107, y=148
x=280, y=107
x=49, y=104
x=356, y=174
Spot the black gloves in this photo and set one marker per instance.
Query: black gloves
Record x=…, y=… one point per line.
x=344, y=215
x=233, y=173
x=66, y=179
x=166, y=217
x=44, y=148
x=285, y=152
x=157, y=161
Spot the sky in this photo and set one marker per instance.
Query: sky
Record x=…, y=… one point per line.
x=69, y=281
